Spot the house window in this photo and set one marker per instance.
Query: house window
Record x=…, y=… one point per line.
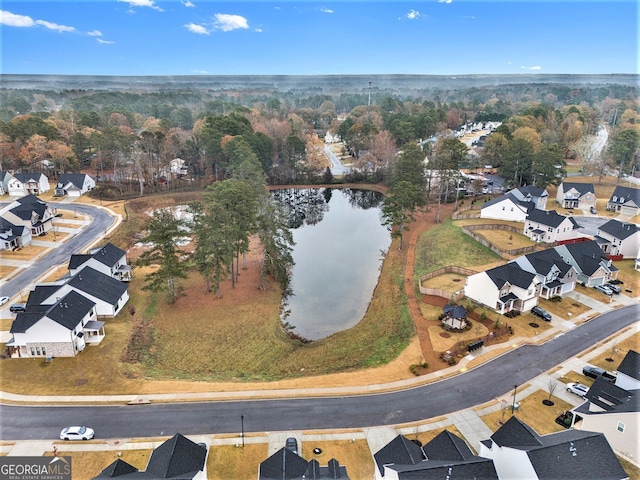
x=33, y=352
x=44, y=352
x=620, y=427
x=503, y=207
x=38, y=350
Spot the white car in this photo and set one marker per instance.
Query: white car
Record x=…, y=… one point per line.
x=577, y=389
x=76, y=433
x=3, y=300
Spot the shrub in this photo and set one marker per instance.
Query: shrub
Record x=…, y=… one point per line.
x=556, y=298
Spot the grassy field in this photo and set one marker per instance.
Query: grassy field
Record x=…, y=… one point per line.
x=448, y=245
x=567, y=308
x=610, y=359
x=505, y=240
x=89, y=464
x=228, y=461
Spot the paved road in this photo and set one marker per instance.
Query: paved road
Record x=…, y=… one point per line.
x=337, y=167
x=477, y=386
x=100, y=222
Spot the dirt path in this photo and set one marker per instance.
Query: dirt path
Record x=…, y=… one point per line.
x=423, y=221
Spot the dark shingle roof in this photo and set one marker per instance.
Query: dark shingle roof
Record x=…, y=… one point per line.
x=568, y=454
x=39, y=294
x=178, y=457
x=628, y=194
x=609, y=397
x=117, y=469
x=530, y=190
x=512, y=274
x=630, y=364
x=77, y=179
x=25, y=177
x=619, y=229
x=550, y=218
x=526, y=206
x=582, y=188
x=98, y=285
x=455, y=311
x=68, y=312
x=78, y=259
x=284, y=464
x=108, y=254
x=587, y=256
x=543, y=260
x=401, y=451
x=447, y=446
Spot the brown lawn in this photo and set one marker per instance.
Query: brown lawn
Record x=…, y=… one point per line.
x=89, y=464
x=610, y=359
x=231, y=462
x=505, y=240
x=25, y=253
x=567, y=308
x=451, y=282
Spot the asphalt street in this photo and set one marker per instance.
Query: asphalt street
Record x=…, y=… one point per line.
x=477, y=386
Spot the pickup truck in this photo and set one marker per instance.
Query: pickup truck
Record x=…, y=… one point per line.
x=595, y=372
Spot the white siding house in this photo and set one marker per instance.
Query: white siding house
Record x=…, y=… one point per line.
x=576, y=195
x=74, y=184
x=506, y=207
x=619, y=238
x=548, y=226
x=27, y=184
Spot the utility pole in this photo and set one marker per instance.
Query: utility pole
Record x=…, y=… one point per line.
x=513, y=405
x=369, y=94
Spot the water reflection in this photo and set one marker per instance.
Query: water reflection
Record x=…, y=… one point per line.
x=340, y=242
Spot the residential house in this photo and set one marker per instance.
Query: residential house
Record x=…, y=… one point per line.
x=619, y=238
x=4, y=182
x=614, y=409
x=591, y=263
x=549, y=226
x=27, y=184
x=176, y=458
x=12, y=236
x=74, y=184
x=538, y=196
x=625, y=200
x=556, y=276
x=507, y=207
x=518, y=452
x=108, y=259
x=287, y=464
x=59, y=329
x=454, y=317
x=445, y=456
x=576, y=195
x=504, y=288
x=30, y=212
x=109, y=294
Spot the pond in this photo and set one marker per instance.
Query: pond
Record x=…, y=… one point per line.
x=340, y=246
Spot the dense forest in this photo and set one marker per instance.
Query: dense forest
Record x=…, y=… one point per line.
x=127, y=130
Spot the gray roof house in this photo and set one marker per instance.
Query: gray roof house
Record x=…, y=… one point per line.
x=529, y=193
x=614, y=408
x=576, y=195
x=518, y=451
x=177, y=458
x=549, y=226
x=60, y=329
x=504, y=288
x=507, y=207
x=30, y=212
x=625, y=200
x=13, y=236
x=27, y=184
x=4, y=182
x=74, y=184
x=445, y=456
x=108, y=259
x=619, y=238
x=556, y=276
x=591, y=263
x=284, y=464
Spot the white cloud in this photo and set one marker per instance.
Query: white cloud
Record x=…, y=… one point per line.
x=13, y=20
x=194, y=28
x=104, y=42
x=445, y=1
x=226, y=22
x=470, y=17
x=259, y=30
x=325, y=10
x=142, y=3
x=55, y=26
x=413, y=14
x=95, y=33
x=188, y=4
x=201, y=71
x=536, y=67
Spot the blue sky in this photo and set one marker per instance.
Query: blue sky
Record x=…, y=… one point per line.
x=438, y=37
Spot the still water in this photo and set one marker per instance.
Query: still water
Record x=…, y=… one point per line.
x=340, y=245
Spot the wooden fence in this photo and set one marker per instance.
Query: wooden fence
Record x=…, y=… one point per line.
x=469, y=230
x=455, y=296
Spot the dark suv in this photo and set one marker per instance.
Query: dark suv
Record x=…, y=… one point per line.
x=542, y=313
x=292, y=445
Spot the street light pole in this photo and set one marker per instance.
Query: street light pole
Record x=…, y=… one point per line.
x=513, y=405
x=242, y=427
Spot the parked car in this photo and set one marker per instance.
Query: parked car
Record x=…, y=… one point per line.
x=18, y=307
x=614, y=288
x=292, y=445
x=3, y=300
x=595, y=372
x=604, y=289
x=577, y=389
x=76, y=433
x=542, y=313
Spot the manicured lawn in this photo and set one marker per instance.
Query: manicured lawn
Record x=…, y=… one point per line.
x=451, y=282
x=532, y=412
x=629, y=276
x=616, y=353
x=505, y=240
x=356, y=456
x=448, y=245
x=89, y=464
x=228, y=461
x=567, y=308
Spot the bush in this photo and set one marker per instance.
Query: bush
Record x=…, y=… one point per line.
x=556, y=298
